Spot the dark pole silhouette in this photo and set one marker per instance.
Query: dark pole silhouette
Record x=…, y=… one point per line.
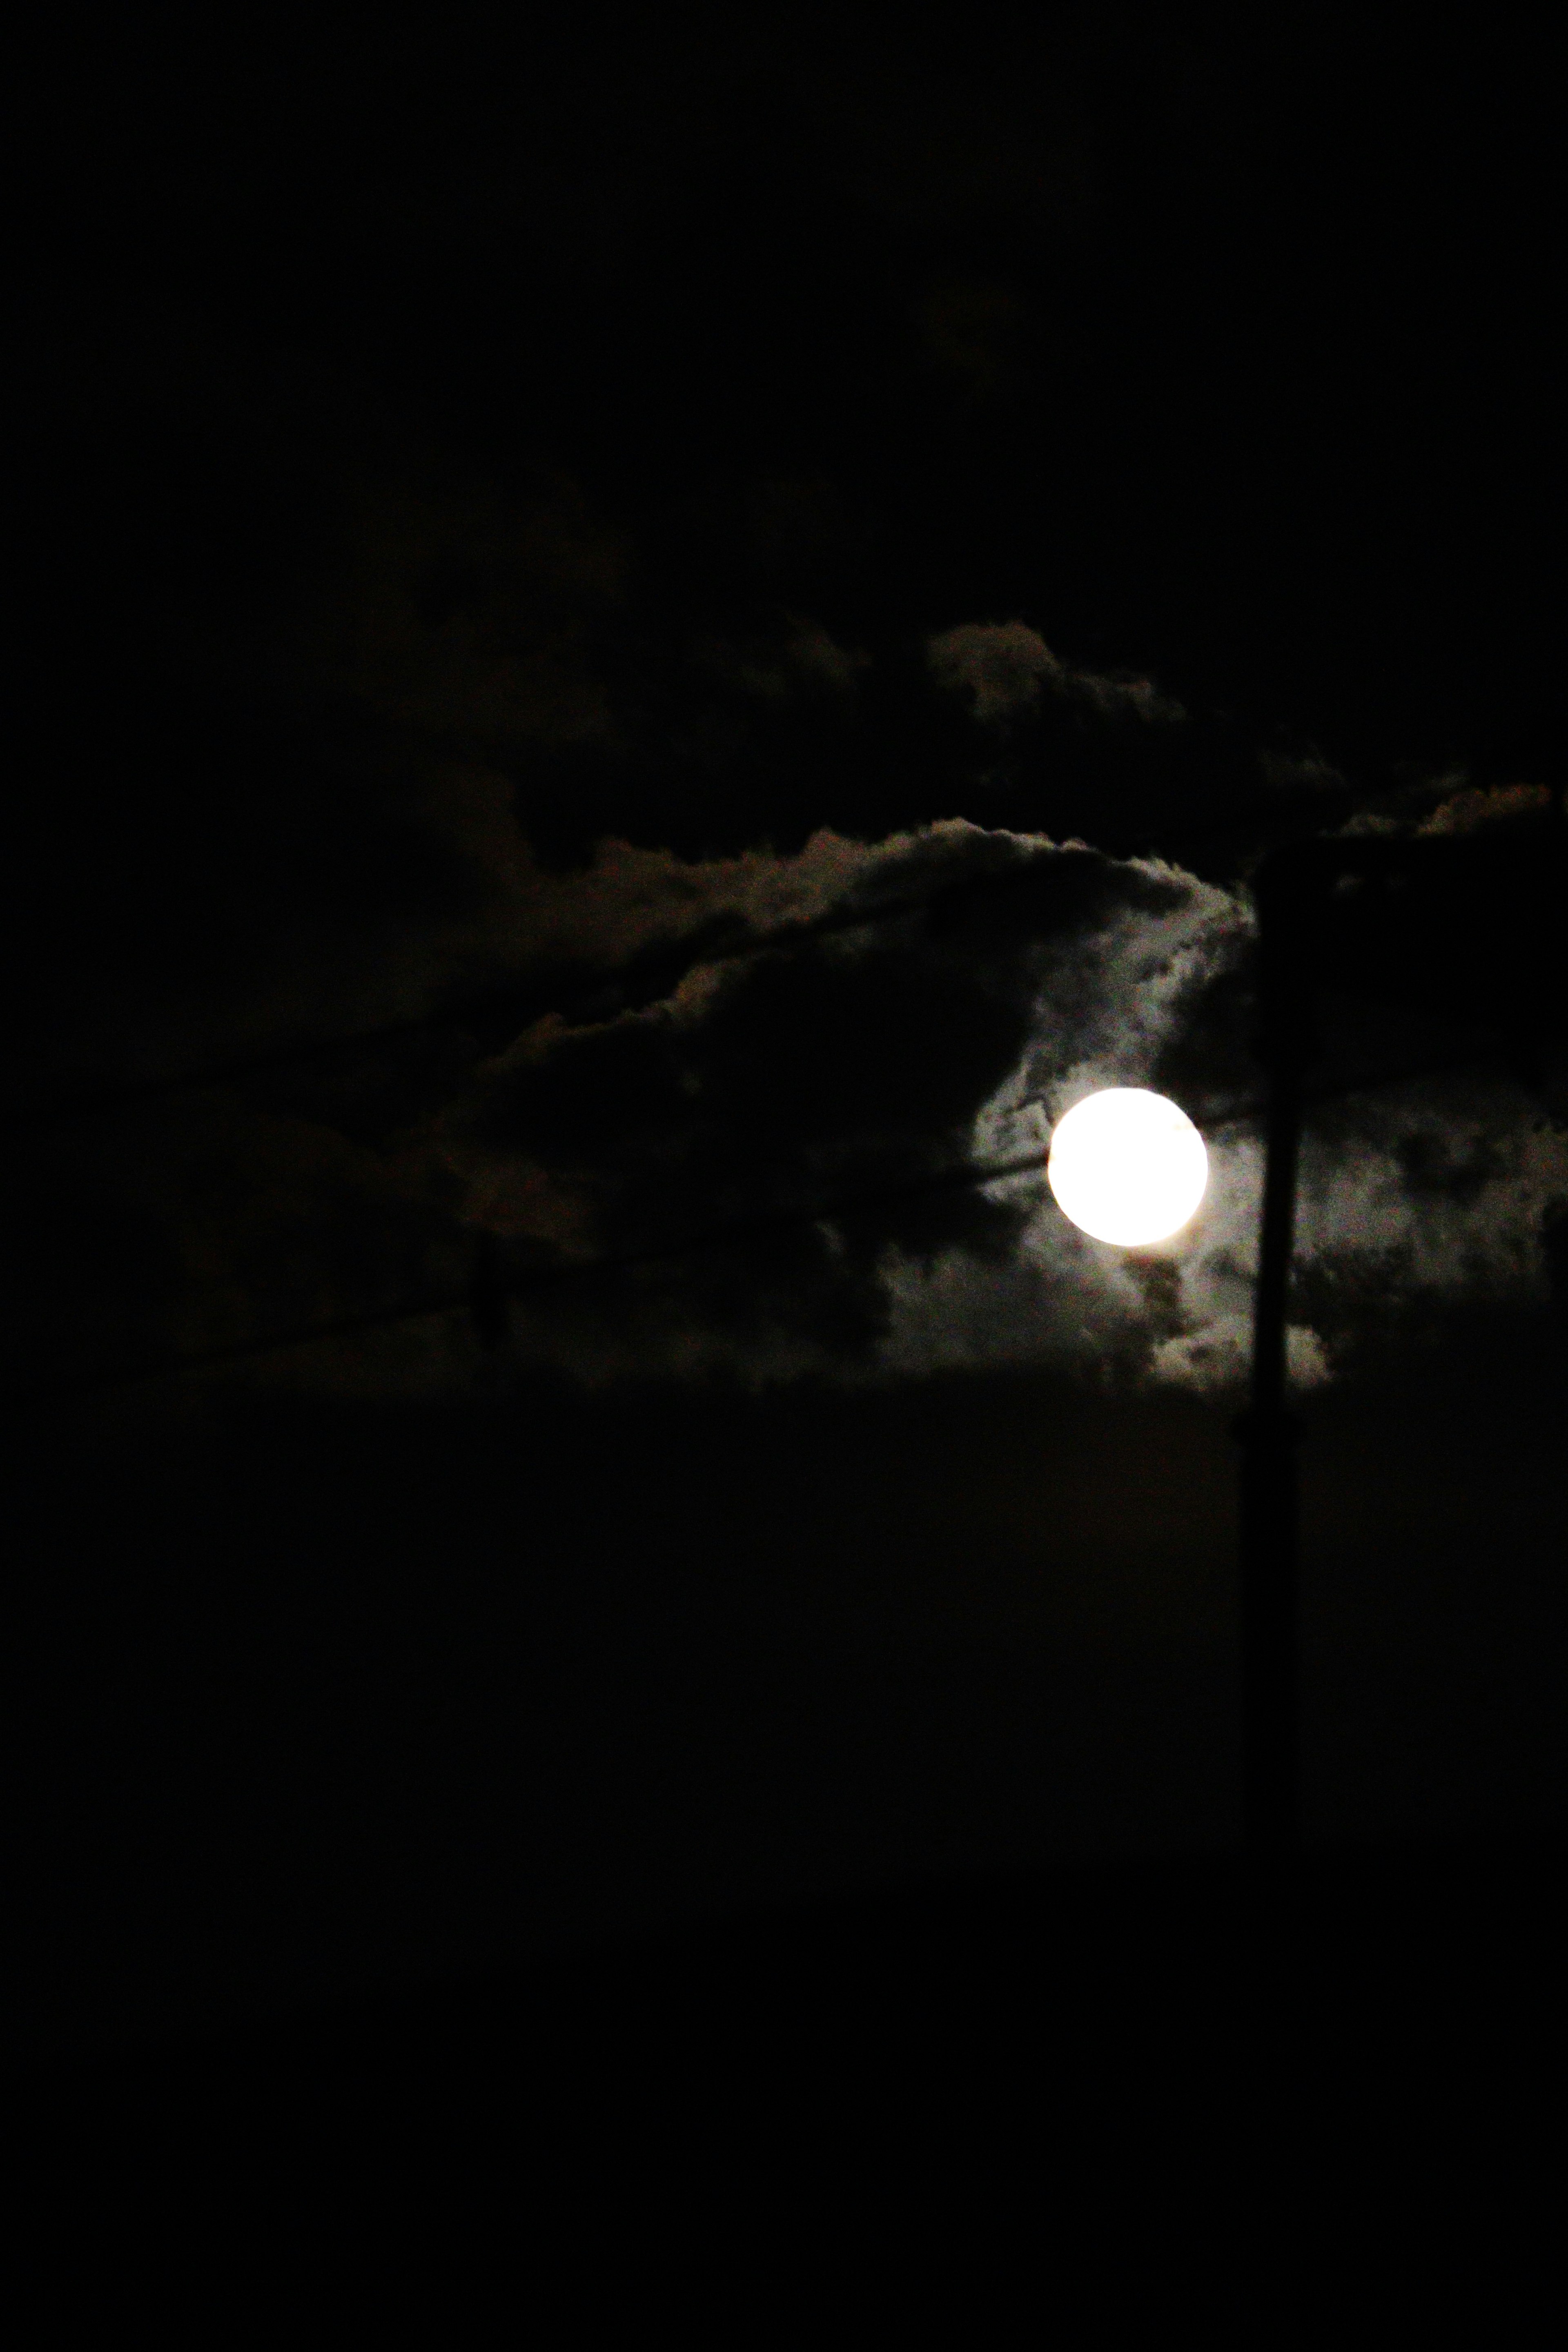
x=1516, y=883
x=1267, y=1431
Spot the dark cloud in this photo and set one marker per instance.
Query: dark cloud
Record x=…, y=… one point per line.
x=820, y=1073
x=1161, y=332
x=643, y=648
x=1006, y=667
x=1034, y=974
x=720, y=483
x=686, y=1052
x=310, y=701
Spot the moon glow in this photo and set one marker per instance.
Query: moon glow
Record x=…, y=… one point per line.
x=1127, y=1166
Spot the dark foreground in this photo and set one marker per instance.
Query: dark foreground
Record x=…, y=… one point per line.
x=1032, y=2104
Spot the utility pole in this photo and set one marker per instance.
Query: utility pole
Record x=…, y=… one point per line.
x=1521, y=881
x=1271, y=1672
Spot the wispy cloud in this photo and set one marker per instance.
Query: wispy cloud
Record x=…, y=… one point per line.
x=1005, y=668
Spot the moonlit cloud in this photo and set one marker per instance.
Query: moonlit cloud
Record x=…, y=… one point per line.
x=1437, y=1190
x=980, y=984
x=493, y=737
x=1005, y=667
x=865, y=1060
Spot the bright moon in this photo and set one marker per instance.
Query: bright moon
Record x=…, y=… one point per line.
x=1127, y=1166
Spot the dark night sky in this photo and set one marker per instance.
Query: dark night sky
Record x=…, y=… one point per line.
x=513, y=523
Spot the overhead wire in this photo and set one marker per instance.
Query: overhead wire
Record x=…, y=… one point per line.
x=490, y=1284
x=523, y=993
x=480, y=1294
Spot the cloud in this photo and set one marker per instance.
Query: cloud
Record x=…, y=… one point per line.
x=969, y=331
x=718, y=1064
x=1439, y=1189
x=463, y=612
x=815, y=1071
x=1005, y=668
x=1177, y=1313
x=797, y=655
x=1473, y=808
x=1302, y=772
x=1217, y=1357
x=463, y=735
x=803, y=1091
x=321, y=709
x=1428, y=1199
x=962, y=1032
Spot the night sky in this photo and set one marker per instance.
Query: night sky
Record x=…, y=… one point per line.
x=644, y=628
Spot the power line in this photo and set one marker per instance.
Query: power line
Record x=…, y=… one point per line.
x=486, y=1304
x=670, y=957
x=667, y=957
x=477, y=1296
x=543, y=1278
x=524, y=994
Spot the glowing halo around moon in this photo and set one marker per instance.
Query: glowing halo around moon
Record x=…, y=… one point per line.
x=1127, y=1166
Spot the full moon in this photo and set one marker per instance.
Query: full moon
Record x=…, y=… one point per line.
x=1127, y=1166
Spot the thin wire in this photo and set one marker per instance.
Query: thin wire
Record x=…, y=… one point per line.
x=966, y=1176
x=548, y=1277
x=518, y=992
x=521, y=992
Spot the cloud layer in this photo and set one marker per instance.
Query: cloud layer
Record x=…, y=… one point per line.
x=880, y=1056
x=782, y=888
